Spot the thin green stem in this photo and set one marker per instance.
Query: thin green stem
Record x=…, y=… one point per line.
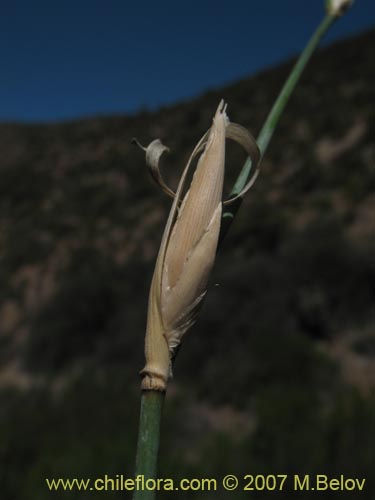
x=274, y=115
x=148, y=440
x=280, y=103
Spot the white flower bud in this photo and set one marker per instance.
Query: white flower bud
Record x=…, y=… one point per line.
x=338, y=7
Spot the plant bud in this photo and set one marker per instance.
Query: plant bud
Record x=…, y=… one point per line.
x=188, y=248
x=338, y=7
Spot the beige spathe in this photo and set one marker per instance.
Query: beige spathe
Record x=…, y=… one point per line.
x=189, y=244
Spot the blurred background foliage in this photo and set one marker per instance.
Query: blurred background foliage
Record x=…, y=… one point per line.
x=278, y=374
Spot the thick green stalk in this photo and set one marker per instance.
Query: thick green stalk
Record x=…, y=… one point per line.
x=273, y=117
x=148, y=440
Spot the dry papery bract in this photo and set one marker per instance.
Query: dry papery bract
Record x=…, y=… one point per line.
x=189, y=244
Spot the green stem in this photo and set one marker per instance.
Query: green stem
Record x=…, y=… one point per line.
x=280, y=103
x=274, y=115
x=148, y=440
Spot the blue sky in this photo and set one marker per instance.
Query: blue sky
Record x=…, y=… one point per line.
x=68, y=59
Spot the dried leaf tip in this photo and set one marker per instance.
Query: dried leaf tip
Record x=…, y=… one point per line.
x=188, y=248
x=153, y=153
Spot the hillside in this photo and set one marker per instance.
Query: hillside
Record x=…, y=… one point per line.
x=282, y=358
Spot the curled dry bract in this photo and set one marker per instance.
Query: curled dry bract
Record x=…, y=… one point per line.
x=188, y=248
